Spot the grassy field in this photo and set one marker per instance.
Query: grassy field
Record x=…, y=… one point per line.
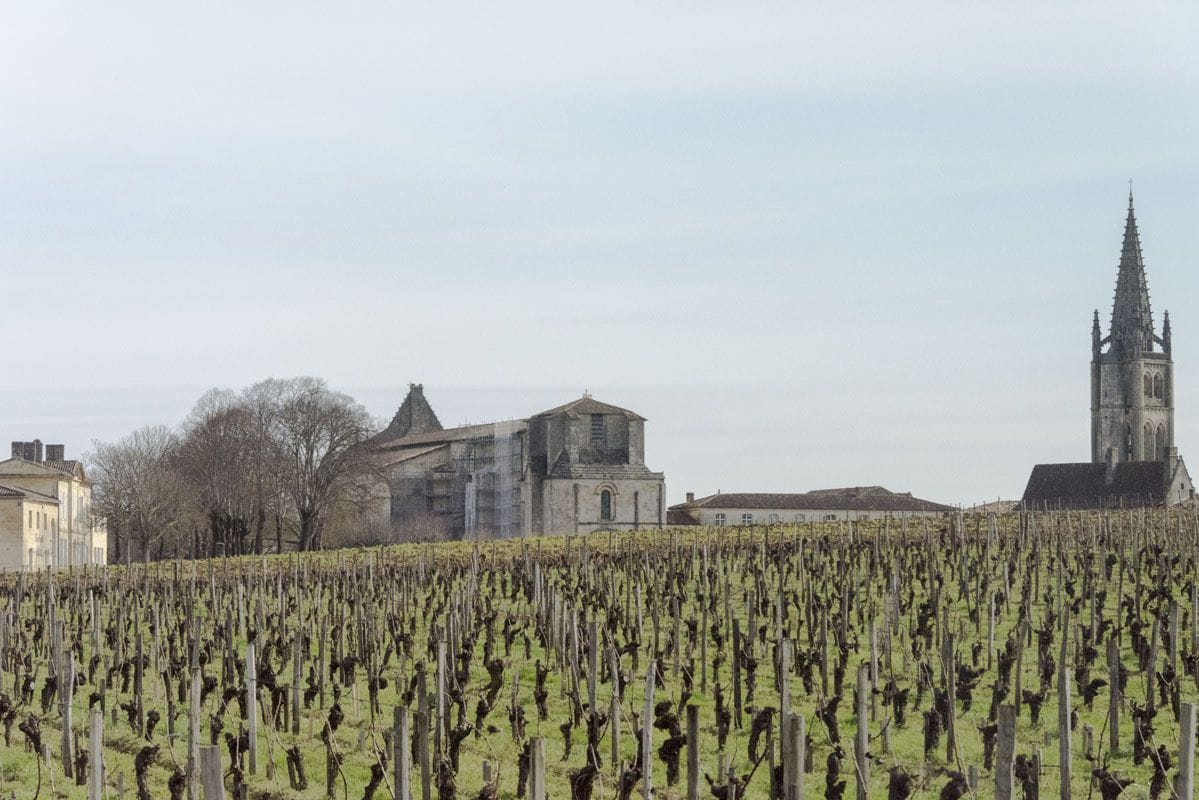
x=835, y=597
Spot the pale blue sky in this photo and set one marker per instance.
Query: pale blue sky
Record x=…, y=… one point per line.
x=815, y=244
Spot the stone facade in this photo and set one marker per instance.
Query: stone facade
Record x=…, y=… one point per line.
x=1133, y=458
x=68, y=535
x=577, y=468
x=29, y=522
x=1132, y=372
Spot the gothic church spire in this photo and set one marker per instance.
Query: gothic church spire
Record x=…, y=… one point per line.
x=1132, y=318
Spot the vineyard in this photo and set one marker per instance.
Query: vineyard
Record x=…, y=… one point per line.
x=1024, y=656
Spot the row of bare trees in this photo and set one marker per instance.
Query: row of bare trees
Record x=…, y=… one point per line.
x=266, y=468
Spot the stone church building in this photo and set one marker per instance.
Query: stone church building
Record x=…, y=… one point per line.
x=1134, y=461
x=576, y=468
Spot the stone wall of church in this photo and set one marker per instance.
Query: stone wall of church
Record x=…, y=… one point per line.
x=1135, y=414
x=574, y=506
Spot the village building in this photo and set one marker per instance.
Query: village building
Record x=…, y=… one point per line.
x=45, y=511
x=576, y=468
x=860, y=503
x=1134, y=461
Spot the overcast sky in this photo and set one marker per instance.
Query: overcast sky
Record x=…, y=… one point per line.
x=815, y=244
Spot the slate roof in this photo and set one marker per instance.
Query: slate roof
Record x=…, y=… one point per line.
x=862, y=498
x=1085, y=485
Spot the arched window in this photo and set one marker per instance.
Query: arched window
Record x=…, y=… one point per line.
x=1161, y=442
x=605, y=506
x=1158, y=386
x=1147, y=443
x=1148, y=385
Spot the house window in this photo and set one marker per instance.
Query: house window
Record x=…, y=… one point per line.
x=605, y=506
x=830, y=517
x=774, y=519
x=864, y=516
x=598, y=431
x=747, y=518
x=718, y=520
x=801, y=518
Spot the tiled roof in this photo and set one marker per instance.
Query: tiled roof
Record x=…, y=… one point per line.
x=1085, y=485
x=589, y=405
x=870, y=498
x=396, y=455
x=68, y=466
x=29, y=494
x=680, y=516
x=452, y=434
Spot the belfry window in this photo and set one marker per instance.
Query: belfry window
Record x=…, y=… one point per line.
x=605, y=506
x=598, y=431
x=1148, y=385
x=1158, y=386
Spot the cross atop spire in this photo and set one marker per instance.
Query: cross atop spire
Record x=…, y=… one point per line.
x=1132, y=318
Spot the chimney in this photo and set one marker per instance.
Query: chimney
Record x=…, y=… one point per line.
x=56, y=452
x=30, y=451
x=1110, y=463
x=1171, y=462
x=690, y=497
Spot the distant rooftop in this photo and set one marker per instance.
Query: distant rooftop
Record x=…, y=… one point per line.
x=855, y=498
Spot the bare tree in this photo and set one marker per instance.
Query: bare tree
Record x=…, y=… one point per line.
x=318, y=431
x=214, y=456
x=138, y=493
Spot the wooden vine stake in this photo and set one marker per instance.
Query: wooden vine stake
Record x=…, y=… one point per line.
x=647, y=735
x=1185, y=781
x=95, y=778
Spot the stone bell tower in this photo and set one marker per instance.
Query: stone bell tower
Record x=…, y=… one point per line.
x=1132, y=373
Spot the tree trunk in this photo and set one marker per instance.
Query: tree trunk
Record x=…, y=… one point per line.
x=307, y=529
x=259, y=525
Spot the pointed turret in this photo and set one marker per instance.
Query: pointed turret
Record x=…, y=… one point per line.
x=1096, y=335
x=1132, y=372
x=414, y=416
x=1132, y=319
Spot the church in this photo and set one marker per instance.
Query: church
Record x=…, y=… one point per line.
x=576, y=468
x=1134, y=461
